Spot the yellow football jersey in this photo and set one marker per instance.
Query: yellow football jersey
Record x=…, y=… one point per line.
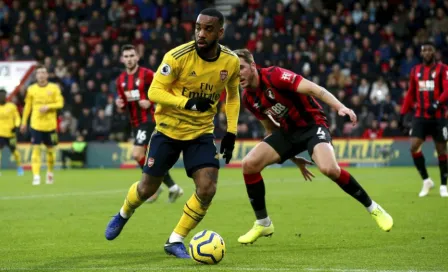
x=37, y=97
x=183, y=74
x=9, y=119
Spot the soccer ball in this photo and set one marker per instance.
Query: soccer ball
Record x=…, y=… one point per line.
x=207, y=247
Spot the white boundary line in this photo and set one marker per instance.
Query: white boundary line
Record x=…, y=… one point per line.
x=221, y=183
x=203, y=268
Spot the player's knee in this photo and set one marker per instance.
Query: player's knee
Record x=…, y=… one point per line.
x=251, y=165
x=136, y=155
x=148, y=186
x=206, y=192
x=414, y=149
x=331, y=171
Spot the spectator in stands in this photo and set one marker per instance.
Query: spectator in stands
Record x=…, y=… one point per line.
x=101, y=126
x=120, y=127
x=392, y=130
x=373, y=131
x=355, y=48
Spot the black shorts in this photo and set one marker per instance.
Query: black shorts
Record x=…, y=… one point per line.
x=142, y=133
x=9, y=142
x=164, y=152
x=436, y=128
x=48, y=138
x=289, y=144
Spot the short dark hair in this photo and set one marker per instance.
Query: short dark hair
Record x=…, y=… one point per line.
x=429, y=43
x=214, y=13
x=127, y=47
x=3, y=91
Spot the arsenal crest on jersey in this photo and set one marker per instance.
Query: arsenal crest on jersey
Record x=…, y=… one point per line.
x=223, y=74
x=270, y=94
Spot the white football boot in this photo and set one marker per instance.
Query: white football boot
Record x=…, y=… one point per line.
x=428, y=184
x=50, y=178
x=36, y=180
x=443, y=191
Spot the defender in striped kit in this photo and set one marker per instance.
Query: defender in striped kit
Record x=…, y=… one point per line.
x=285, y=104
x=428, y=92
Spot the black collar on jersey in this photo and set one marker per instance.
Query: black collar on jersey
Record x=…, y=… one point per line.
x=208, y=60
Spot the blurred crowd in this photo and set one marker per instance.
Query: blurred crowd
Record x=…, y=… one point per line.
x=361, y=51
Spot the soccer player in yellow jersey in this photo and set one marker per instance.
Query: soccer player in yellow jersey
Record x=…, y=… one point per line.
x=9, y=122
x=42, y=101
x=186, y=88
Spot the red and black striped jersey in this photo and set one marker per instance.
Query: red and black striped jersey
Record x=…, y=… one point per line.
x=277, y=99
x=132, y=88
x=427, y=84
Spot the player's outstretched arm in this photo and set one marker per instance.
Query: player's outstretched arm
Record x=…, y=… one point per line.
x=310, y=88
x=269, y=127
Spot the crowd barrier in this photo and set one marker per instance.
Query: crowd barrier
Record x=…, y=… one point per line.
x=349, y=152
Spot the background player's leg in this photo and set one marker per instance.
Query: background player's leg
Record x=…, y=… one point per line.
x=419, y=162
x=323, y=156
x=205, y=180
x=417, y=155
x=50, y=164
x=35, y=163
x=443, y=166
x=138, y=154
x=175, y=191
x=254, y=162
x=17, y=157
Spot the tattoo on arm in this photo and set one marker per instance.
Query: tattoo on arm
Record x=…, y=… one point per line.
x=322, y=93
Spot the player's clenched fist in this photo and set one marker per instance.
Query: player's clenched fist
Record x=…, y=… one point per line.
x=227, y=146
x=199, y=104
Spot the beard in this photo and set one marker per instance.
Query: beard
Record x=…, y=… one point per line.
x=429, y=61
x=205, y=50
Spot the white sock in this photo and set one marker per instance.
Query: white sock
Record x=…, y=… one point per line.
x=428, y=179
x=36, y=177
x=264, y=222
x=123, y=214
x=174, y=188
x=372, y=206
x=176, y=238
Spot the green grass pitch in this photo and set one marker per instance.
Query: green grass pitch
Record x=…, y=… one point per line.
x=61, y=227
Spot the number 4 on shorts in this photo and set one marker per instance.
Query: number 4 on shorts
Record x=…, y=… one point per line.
x=321, y=133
